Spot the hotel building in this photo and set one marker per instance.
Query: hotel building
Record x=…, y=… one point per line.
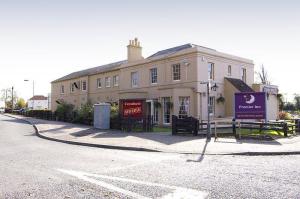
x=167, y=82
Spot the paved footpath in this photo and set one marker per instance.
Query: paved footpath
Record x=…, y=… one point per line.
x=163, y=142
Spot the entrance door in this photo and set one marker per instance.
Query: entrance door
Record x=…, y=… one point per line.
x=212, y=106
x=166, y=110
x=152, y=110
x=149, y=107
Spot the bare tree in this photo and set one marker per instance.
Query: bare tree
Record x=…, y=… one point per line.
x=6, y=96
x=297, y=101
x=3, y=95
x=263, y=75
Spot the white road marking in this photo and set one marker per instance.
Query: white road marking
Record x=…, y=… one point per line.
x=145, y=161
x=178, y=192
x=183, y=194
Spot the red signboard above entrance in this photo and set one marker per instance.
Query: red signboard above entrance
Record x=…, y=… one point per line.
x=132, y=108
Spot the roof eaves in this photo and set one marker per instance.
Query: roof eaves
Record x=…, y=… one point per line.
x=91, y=71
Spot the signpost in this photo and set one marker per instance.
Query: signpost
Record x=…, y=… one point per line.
x=132, y=108
x=251, y=105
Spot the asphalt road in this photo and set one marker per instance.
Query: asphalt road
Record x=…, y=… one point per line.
x=31, y=167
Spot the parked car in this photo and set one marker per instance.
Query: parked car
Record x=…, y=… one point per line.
x=22, y=111
x=7, y=110
x=2, y=110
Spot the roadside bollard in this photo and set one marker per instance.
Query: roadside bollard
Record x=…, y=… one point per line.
x=285, y=129
x=234, y=128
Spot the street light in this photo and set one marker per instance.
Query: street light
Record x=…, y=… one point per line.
x=213, y=88
x=27, y=80
x=12, y=99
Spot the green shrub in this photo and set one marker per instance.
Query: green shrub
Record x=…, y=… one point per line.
x=42, y=114
x=64, y=111
x=115, y=116
x=114, y=110
x=284, y=115
x=84, y=114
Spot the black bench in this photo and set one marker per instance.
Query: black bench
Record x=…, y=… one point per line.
x=187, y=124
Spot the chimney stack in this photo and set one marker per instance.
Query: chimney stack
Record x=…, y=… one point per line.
x=134, y=51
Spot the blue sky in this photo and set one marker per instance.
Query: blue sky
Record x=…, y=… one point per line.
x=44, y=40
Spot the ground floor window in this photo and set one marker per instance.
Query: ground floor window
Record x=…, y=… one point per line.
x=166, y=110
x=152, y=109
x=155, y=112
x=184, y=107
x=212, y=105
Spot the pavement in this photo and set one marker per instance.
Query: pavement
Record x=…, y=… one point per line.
x=159, y=142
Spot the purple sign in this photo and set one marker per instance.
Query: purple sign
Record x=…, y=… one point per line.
x=250, y=105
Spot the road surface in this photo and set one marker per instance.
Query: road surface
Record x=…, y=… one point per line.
x=31, y=167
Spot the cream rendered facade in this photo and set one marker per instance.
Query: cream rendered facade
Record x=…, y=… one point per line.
x=193, y=61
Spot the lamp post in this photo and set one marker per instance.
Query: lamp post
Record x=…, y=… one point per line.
x=26, y=80
x=12, y=99
x=5, y=100
x=214, y=88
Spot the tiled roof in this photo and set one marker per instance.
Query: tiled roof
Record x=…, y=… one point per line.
x=171, y=50
x=176, y=49
x=38, y=97
x=111, y=66
x=240, y=85
x=91, y=71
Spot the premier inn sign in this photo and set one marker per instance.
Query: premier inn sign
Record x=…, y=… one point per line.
x=250, y=105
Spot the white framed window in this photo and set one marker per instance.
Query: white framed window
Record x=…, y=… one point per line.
x=134, y=79
x=176, y=71
x=83, y=85
x=116, y=80
x=184, y=107
x=166, y=110
x=99, y=83
x=107, y=82
x=229, y=70
x=155, y=112
x=72, y=87
x=77, y=85
x=244, y=74
x=62, y=89
x=211, y=70
x=153, y=75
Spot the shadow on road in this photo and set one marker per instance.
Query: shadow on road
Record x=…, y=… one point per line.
x=15, y=121
x=164, y=138
x=202, y=154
